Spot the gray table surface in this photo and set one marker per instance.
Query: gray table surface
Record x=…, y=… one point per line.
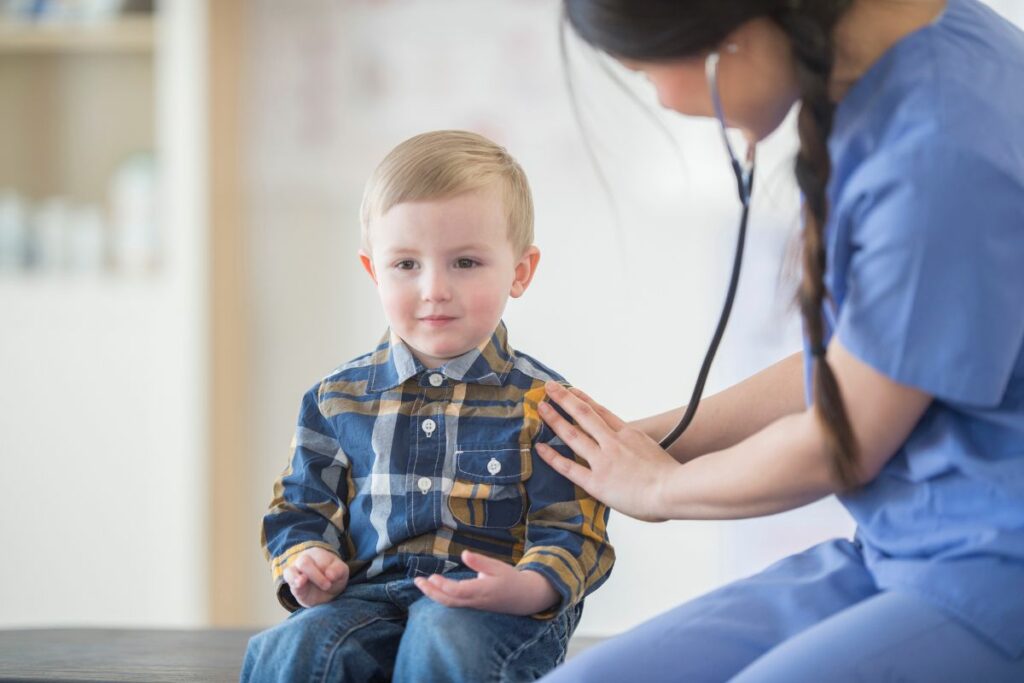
x=121, y=655
x=153, y=656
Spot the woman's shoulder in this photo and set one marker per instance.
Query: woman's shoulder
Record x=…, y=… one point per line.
x=952, y=93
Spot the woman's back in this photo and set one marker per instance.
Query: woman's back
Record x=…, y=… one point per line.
x=926, y=267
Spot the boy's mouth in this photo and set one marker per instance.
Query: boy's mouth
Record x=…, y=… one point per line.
x=436, y=319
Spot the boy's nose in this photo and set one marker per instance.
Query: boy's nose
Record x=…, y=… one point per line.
x=436, y=287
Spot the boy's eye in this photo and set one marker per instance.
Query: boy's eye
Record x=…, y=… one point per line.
x=465, y=263
x=405, y=265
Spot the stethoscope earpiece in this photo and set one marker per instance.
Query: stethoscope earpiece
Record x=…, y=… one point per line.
x=744, y=171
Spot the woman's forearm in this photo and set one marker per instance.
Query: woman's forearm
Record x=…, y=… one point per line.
x=782, y=467
x=787, y=464
x=728, y=417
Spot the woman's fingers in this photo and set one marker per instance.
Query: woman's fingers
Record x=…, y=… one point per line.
x=590, y=426
x=613, y=420
x=581, y=411
x=567, y=467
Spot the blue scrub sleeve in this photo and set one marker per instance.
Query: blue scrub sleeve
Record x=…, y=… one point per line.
x=935, y=286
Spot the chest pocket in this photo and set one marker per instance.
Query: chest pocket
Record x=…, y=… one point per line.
x=489, y=489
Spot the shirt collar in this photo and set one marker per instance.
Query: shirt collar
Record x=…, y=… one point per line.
x=490, y=363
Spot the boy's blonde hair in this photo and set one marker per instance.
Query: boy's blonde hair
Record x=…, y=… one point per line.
x=442, y=164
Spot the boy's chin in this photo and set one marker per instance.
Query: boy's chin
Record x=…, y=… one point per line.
x=440, y=355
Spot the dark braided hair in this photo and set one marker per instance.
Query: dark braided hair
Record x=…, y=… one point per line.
x=660, y=30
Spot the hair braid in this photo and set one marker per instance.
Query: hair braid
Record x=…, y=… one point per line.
x=810, y=28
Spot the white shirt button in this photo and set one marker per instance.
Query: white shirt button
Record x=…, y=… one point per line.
x=424, y=484
x=428, y=427
x=436, y=380
x=493, y=466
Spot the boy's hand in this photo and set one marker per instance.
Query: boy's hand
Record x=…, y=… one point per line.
x=316, y=576
x=498, y=587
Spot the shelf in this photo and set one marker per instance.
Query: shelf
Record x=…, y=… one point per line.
x=24, y=290
x=125, y=35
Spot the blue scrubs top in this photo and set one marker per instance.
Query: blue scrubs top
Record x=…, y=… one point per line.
x=926, y=268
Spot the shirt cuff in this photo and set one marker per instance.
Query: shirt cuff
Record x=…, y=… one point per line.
x=561, y=569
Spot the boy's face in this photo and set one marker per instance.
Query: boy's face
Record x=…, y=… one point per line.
x=444, y=269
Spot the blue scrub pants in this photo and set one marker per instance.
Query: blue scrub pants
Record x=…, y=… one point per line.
x=815, y=616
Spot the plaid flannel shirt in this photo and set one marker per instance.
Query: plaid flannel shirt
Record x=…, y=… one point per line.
x=398, y=469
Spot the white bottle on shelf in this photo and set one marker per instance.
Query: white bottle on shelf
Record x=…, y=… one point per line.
x=13, y=231
x=49, y=230
x=86, y=240
x=133, y=188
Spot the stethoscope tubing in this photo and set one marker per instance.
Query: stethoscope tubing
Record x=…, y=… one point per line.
x=745, y=185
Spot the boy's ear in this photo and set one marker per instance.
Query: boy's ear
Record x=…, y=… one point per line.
x=525, y=269
x=367, y=262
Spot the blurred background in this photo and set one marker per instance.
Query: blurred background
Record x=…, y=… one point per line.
x=179, y=191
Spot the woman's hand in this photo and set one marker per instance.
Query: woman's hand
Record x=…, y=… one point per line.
x=627, y=469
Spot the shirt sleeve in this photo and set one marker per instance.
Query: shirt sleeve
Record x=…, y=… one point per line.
x=935, y=282
x=307, y=509
x=566, y=529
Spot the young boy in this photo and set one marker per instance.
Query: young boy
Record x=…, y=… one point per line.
x=414, y=524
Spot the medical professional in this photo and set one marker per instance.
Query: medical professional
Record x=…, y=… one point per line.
x=908, y=399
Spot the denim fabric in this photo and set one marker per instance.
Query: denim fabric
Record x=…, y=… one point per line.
x=388, y=630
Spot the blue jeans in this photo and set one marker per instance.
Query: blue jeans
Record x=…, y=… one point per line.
x=388, y=630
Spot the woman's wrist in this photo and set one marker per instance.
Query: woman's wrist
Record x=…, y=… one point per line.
x=669, y=497
x=782, y=467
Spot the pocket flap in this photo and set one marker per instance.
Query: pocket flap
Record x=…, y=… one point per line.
x=491, y=464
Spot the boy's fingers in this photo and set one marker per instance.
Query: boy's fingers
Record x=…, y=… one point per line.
x=468, y=591
x=483, y=564
x=332, y=566
x=336, y=570
x=294, y=578
x=339, y=584
x=307, y=566
x=440, y=597
x=446, y=586
x=437, y=595
x=321, y=558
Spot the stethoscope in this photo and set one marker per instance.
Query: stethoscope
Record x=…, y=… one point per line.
x=744, y=173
